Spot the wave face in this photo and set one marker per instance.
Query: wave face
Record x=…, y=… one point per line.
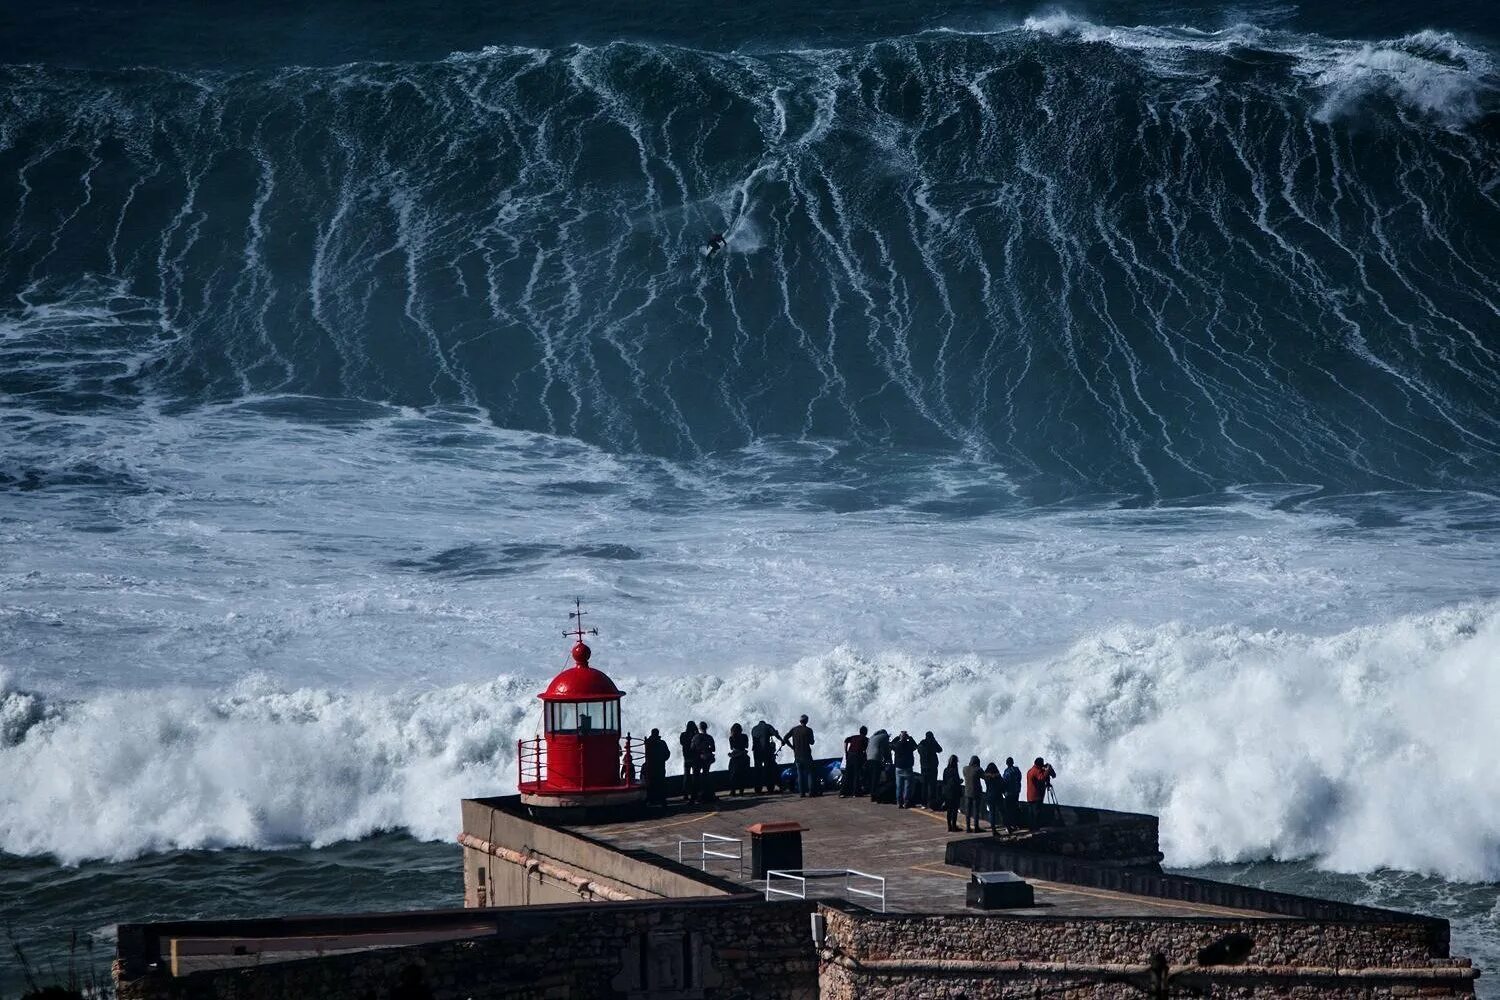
x=1249, y=744
x=1149, y=261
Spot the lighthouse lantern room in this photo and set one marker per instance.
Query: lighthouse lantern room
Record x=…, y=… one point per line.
x=576, y=761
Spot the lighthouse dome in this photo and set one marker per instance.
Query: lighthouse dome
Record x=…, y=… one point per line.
x=581, y=682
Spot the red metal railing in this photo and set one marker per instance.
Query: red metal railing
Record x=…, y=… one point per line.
x=531, y=761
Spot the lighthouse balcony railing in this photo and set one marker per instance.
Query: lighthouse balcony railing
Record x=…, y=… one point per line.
x=711, y=846
x=532, y=754
x=793, y=883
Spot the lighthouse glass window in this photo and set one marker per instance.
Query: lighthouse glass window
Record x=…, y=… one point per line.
x=583, y=717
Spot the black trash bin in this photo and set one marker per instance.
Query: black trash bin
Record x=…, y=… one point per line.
x=775, y=846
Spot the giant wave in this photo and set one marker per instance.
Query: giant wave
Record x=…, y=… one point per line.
x=1149, y=261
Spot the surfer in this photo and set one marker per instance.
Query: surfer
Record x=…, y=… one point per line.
x=716, y=242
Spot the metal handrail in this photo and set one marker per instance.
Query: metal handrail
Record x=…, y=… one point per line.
x=801, y=875
x=704, y=853
x=871, y=893
x=531, y=760
x=770, y=889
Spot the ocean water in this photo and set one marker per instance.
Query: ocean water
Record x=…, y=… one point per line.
x=1119, y=383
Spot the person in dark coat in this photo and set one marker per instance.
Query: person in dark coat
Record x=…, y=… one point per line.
x=800, y=739
x=904, y=756
x=993, y=784
x=654, y=768
x=689, y=762
x=763, y=739
x=953, y=791
x=703, y=749
x=880, y=756
x=973, y=795
x=927, y=753
x=739, y=760
x=856, y=750
x=1010, y=795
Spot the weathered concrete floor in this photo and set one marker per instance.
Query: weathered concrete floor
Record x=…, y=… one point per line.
x=905, y=845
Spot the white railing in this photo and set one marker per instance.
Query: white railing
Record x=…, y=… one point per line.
x=869, y=886
x=875, y=883
x=720, y=853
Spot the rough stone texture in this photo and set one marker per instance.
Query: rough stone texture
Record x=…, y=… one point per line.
x=739, y=950
x=995, y=956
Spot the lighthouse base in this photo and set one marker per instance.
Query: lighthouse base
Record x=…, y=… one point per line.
x=594, y=806
x=548, y=799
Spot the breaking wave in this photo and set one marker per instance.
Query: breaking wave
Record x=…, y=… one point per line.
x=1364, y=750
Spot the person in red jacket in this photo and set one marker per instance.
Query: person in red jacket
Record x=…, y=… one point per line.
x=1038, y=780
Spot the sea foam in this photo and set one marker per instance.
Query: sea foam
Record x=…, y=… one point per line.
x=1366, y=749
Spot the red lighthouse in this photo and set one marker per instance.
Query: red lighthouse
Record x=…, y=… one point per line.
x=577, y=760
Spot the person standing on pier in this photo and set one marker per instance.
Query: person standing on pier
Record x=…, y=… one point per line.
x=973, y=793
x=800, y=739
x=904, y=756
x=953, y=792
x=1010, y=794
x=654, y=768
x=856, y=750
x=704, y=753
x=689, y=762
x=763, y=737
x=927, y=752
x=739, y=760
x=880, y=756
x=994, y=785
x=1038, y=780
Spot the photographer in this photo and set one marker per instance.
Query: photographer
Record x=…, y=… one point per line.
x=1038, y=780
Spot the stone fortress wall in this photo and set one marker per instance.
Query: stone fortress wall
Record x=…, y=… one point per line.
x=683, y=949
x=553, y=913
x=878, y=956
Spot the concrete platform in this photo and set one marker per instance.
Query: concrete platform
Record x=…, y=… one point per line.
x=906, y=846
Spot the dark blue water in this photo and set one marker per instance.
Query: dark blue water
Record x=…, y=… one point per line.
x=1120, y=380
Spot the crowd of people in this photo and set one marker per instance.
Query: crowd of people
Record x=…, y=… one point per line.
x=907, y=772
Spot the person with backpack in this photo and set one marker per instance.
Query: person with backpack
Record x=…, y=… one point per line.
x=739, y=760
x=703, y=755
x=763, y=737
x=927, y=753
x=856, y=750
x=800, y=739
x=904, y=756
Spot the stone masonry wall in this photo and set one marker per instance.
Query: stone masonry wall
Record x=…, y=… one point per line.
x=731, y=949
x=998, y=956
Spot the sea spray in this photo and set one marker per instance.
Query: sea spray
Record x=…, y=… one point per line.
x=1357, y=749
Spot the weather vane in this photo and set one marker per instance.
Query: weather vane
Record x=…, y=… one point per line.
x=578, y=631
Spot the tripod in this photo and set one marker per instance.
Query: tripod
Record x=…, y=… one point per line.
x=1056, y=807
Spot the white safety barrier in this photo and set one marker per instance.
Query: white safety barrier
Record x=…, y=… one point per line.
x=794, y=883
x=721, y=852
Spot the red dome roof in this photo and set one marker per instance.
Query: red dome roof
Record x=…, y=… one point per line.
x=581, y=682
